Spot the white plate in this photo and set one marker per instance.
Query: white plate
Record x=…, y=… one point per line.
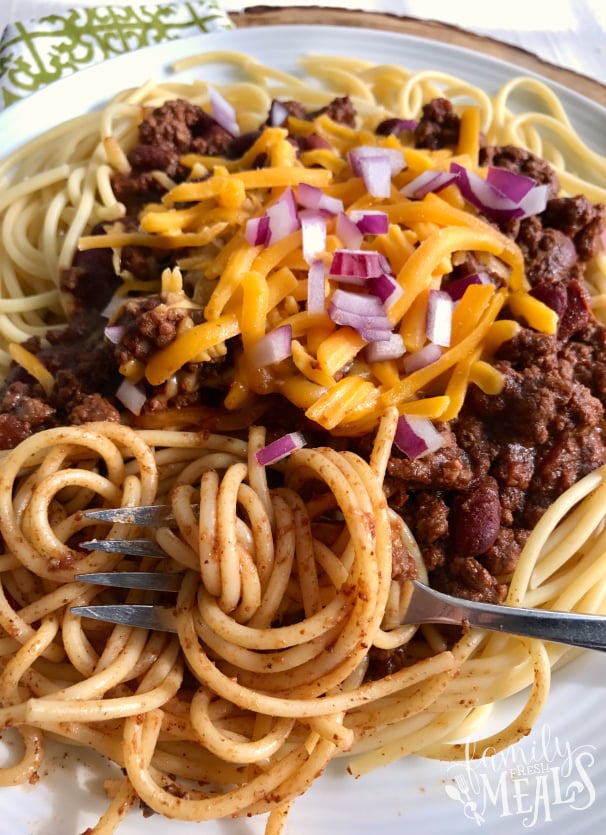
x=561, y=767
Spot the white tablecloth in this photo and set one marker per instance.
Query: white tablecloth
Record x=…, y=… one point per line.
x=570, y=33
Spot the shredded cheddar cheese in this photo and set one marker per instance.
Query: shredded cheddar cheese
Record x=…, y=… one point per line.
x=254, y=285
x=30, y=363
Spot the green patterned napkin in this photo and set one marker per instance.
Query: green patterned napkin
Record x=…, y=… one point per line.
x=35, y=53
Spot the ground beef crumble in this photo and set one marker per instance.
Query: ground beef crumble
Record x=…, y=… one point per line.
x=86, y=379
x=438, y=126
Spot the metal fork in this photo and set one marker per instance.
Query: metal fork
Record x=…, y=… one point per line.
x=425, y=605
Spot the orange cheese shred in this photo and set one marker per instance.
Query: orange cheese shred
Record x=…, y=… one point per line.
x=30, y=363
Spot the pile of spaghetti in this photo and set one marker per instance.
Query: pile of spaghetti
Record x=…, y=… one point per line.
x=325, y=274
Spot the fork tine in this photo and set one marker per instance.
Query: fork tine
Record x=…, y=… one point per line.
x=149, y=580
x=130, y=547
x=151, y=515
x=159, y=618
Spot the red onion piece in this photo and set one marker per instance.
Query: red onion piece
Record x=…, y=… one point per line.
x=386, y=288
x=385, y=349
x=423, y=357
x=416, y=436
x=395, y=125
x=278, y=114
x=222, y=112
x=439, y=317
x=312, y=197
x=494, y=203
x=348, y=231
x=376, y=166
x=514, y=185
x=275, y=346
x=483, y=196
x=280, y=448
x=358, y=264
x=535, y=201
x=112, y=307
x=370, y=221
x=358, y=303
x=376, y=175
x=373, y=332
x=456, y=289
x=279, y=220
x=394, y=156
x=316, y=297
x=114, y=333
x=364, y=313
x=428, y=181
x=132, y=396
x=283, y=216
x=256, y=230
x=313, y=233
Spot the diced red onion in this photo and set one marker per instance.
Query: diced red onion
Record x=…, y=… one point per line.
x=279, y=220
x=370, y=221
x=114, y=333
x=256, y=230
x=313, y=233
x=428, y=181
x=222, y=112
x=514, y=185
x=484, y=196
x=280, y=448
x=113, y=305
x=395, y=125
x=535, y=201
x=386, y=288
x=423, y=357
x=376, y=175
x=394, y=156
x=316, y=297
x=348, y=231
x=364, y=313
x=373, y=332
x=385, y=349
x=132, y=396
x=283, y=216
x=360, y=264
x=358, y=303
x=278, y=114
x=494, y=203
x=275, y=346
x=376, y=166
x=439, y=317
x=416, y=436
x=456, y=289
x=312, y=197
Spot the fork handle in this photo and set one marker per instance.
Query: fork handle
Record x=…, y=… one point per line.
x=571, y=628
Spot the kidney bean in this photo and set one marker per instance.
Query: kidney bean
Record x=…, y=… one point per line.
x=475, y=519
x=551, y=293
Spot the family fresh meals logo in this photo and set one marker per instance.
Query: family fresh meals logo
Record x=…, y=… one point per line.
x=527, y=784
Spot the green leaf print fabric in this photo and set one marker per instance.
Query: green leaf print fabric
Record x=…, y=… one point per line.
x=37, y=52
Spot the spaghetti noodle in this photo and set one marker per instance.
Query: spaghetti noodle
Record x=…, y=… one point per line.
x=289, y=582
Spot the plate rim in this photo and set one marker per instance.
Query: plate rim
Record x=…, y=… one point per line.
x=72, y=82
